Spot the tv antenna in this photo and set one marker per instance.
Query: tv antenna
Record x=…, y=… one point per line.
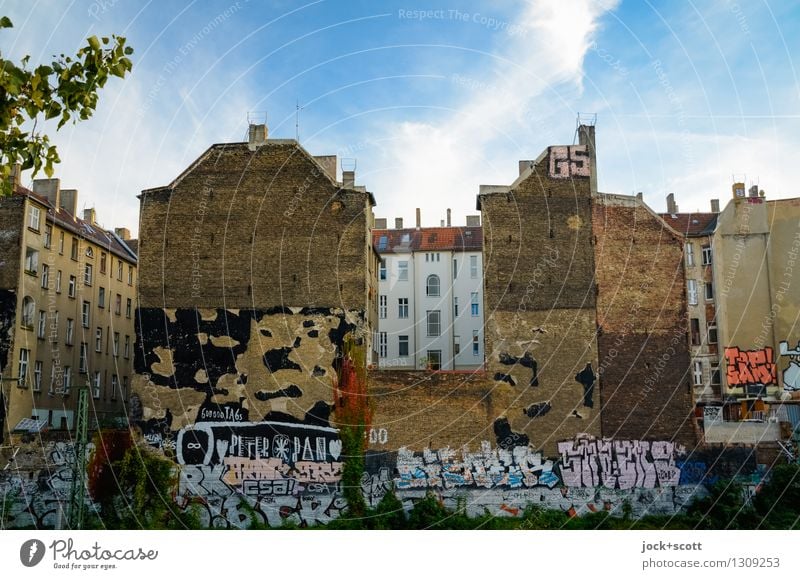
x=297, y=109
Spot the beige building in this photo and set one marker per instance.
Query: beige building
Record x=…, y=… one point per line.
x=67, y=301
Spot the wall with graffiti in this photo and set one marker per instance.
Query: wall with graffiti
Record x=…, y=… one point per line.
x=750, y=372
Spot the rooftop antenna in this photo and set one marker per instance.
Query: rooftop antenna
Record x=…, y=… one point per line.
x=588, y=119
x=348, y=163
x=297, y=109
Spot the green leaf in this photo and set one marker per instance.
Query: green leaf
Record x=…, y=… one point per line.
x=93, y=42
x=5, y=22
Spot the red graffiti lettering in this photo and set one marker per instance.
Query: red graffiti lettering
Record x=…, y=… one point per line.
x=749, y=368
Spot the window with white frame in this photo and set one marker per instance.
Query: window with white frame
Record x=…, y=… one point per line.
x=434, y=359
x=58, y=281
x=455, y=268
x=41, y=329
x=712, y=333
x=383, y=344
x=689, y=254
x=31, y=261
x=382, y=307
x=48, y=235
x=28, y=312
x=72, y=286
x=715, y=375
x=432, y=286
x=103, y=258
x=474, y=304
x=67, y=384
x=87, y=274
x=434, y=326
x=34, y=217
x=114, y=386
x=455, y=306
x=70, y=331
x=127, y=349
x=37, y=376
x=706, y=255
x=73, y=252
x=124, y=392
x=476, y=344
x=54, y=327
x=691, y=291
x=402, y=307
x=697, y=373
x=61, y=243
x=383, y=270
x=101, y=297
x=128, y=308
x=45, y=275
x=402, y=270
x=130, y=275
x=86, y=309
x=708, y=287
x=119, y=270
x=116, y=344
x=22, y=368
x=98, y=339
x=402, y=345
x=456, y=345
x=118, y=305
x=96, y=384
x=473, y=266
x=83, y=365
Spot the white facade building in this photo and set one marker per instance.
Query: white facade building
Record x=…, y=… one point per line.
x=430, y=302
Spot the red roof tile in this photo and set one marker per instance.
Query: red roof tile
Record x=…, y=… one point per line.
x=428, y=239
x=691, y=223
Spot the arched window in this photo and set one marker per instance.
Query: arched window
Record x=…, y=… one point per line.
x=28, y=310
x=433, y=285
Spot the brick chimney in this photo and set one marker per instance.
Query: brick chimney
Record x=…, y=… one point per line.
x=15, y=176
x=419, y=218
x=69, y=201
x=715, y=206
x=672, y=207
x=123, y=233
x=380, y=223
x=348, y=179
x=50, y=189
x=473, y=220
x=90, y=216
x=257, y=136
x=448, y=217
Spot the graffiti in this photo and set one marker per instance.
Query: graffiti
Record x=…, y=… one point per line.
x=489, y=468
x=618, y=464
x=507, y=438
x=537, y=410
x=225, y=412
x=791, y=376
x=586, y=377
x=750, y=367
x=378, y=436
x=505, y=378
x=712, y=414
x=526, y=361
x=569, y=161
x=292, y=391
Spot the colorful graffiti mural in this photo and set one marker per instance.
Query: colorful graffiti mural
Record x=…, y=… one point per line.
x=750, y=367
x=791, y=376
x=569, y=161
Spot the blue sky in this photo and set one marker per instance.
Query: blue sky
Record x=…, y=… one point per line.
x=433, y=99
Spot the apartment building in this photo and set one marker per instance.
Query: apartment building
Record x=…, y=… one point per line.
x=67, y=295
x=430, y=296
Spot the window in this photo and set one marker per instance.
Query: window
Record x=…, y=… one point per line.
x=130, y=275
x=712, y=333
x=124, y=388
x=67, y=380
x=457, y=345
x=54, y=327
x=432, y=285
x=474, y=304
x=695, y=327
x=691, y=291
x=437, y=256
x=114, y=387
x=85, y=310
x=37, y=376
x=31, y=261
x=73, y=252
x=70, y=331
x=689, y=254
x=58, y=281
x=45, y=275
x=383, y=344
x=434, y=322
x=84, y=359
x=706, y=255
x=455, y=306
x=52, y=388
x=48, y=235
x=709, y=291
x=473, y=266
x=402, y=270
x=127, y=351
x=98, y=340
x=22, y=369
x=28, y=312
x=383, y=242
x=103, y=257
x=698, y=373
x=402, y=345
x=715, y=375
x=96, y=385
x=427, y=256
x=455, y=268
x=90, y=252
x=61, y=242
x=128, y=308
x=87, y=274
x=119, y=270
x=101, y=297
x=116, y=344
x=42, y=327
x=402, y=307
x=435, y=359
x=118, y=304
x=382, y=307
x=383, y=270
x=34, y=217
x=71, y=289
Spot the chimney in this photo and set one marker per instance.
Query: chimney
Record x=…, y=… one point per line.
x=473, y=220
x=639, y=196
x=380, y=223
x=753, y=191
x=328, y=163
x=90, y=215
x=586, y=137
x=123, y=232
x=49, y=188
x=672, y=207
x=441, y=223
x=257, y=136
x=398, y=223
x=448, y=217
x=14, y=176
x=348, y=179
x=419, y=218
x=715, y=206
x=738, y=189
x=69, y=201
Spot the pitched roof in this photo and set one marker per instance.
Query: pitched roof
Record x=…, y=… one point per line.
x=92, y=232
x=692, y=224
x=428, y=239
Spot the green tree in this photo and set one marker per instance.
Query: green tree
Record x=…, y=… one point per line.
x=66, y=89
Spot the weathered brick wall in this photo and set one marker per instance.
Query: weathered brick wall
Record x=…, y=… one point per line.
x=641, y=314
x=540, y=300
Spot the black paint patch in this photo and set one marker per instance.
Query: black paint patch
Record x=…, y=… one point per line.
x=318, y=371
x=157, y=430
x=292, y=391
x=336, y=336
x=225, y=412
x=265, y=333
x=319, y=414
x=278, y=359
x=308, y=324
x=8, y=312
x=526, y=361
x=505, y=378
x=507, y=438
x=586, y=377
x=296, y=342
x=576, y=415
x=537, y=410
x=276, y=416
x=242, y=379
x=313, y=334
